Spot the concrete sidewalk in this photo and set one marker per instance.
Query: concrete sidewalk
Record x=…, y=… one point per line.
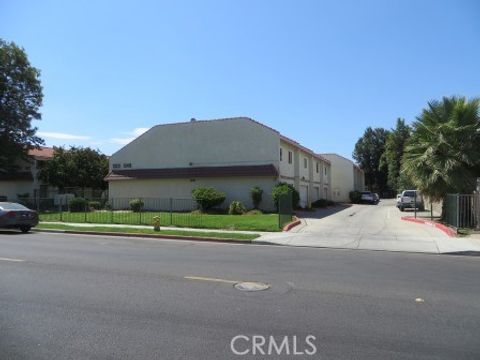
x=375, y=242
x=90, y=225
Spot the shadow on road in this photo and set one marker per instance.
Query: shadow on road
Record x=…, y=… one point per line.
x=321, y=213
x=10, y=232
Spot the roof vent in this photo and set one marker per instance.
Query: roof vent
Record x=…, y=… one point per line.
x=193, y=119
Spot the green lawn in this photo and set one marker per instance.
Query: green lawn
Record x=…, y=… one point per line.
x=213, y=235
x=262, y=222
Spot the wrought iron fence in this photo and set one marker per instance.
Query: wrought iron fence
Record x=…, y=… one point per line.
x=171, y=212
x=463, y=210
x=285, y=209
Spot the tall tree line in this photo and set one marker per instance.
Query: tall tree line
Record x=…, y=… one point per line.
x=438, y=154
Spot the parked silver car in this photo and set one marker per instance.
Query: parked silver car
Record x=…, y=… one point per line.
x=368, y=197
x=411, y=199
x=17, y=216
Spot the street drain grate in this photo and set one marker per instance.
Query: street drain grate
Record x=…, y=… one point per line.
x=251, y=286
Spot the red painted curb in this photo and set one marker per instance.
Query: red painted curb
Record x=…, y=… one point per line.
x=447, y=230
x=291, y=225
x=149, y=236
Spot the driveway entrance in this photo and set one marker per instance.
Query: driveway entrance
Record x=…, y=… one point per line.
x=369, y=227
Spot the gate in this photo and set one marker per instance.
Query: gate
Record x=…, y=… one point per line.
x=285, y=209
x=463, y=210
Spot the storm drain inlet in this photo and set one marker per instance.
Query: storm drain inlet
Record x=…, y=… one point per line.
x=251, y=286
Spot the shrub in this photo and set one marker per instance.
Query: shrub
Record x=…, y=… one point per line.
x=236, y=208
x=320, y=203
x=208, y=198
x=355, y=197
x=330, y=202
x=94, y=205
x=284, y=188
x=78, y=204
x=136, y=205
x=256, y=194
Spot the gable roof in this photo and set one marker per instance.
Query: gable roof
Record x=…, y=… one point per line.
x=246, y=118
x=43, y=153
x=342, y=157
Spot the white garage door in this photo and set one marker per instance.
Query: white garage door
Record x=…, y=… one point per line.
x=303, y=196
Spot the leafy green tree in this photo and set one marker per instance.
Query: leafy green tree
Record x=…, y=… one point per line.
x=443, y=153
x=391, y=160
x=20, y=99
x=282, y=189
x=76, y=167
x=367, y=153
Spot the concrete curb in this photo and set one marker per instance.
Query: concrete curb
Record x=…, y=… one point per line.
x=447, y=230
x=292, y=224
x=148, y=236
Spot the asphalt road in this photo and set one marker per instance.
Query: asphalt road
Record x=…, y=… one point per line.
x=79, y=297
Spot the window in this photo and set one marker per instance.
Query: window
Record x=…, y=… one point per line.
x=325, y=172
x=290, y=155
x=116, y=166
x=305, y=163
x=127, y=165
x=281, y=154
x=317, y=167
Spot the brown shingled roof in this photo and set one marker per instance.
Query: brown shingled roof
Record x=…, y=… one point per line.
x=43, y=152
x=193, y=172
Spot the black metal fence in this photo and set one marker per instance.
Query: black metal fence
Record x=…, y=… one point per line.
x=463, y=210
x=285, y=209
x=175, y=212
x=143, y=211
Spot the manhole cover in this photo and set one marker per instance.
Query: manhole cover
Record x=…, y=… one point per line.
x=251, y=286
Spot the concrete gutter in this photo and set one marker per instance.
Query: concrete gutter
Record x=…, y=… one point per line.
x=444, y=228
x=147, y=236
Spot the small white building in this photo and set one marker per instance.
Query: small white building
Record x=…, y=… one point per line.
x=346, y=177
x=231, y=155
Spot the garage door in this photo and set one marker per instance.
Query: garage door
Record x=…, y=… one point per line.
x=303, y=196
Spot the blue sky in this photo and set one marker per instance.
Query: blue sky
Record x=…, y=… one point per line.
x=319, y=72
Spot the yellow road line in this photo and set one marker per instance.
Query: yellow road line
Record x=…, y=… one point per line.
x=201, y=278
x=9, y=259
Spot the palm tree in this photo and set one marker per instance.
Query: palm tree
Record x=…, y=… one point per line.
x=443, y=154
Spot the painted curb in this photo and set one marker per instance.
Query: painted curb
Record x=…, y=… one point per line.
x=148, y=236
x=291, y=225
x=447, y=230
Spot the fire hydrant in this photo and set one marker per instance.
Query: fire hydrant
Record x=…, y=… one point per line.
x=156, y=223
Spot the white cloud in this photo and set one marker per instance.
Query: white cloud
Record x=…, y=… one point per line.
x=61, y=136
x=122, y=141
x=135, y=132
x=139, y=131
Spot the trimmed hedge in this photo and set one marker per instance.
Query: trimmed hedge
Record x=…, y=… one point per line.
x=256, y=195
x=136, y=205
x=78, y=204
x=208, y=198
x=355, y=197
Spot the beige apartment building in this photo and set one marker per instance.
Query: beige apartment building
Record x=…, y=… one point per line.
x=346, y=177
x=24, y=181
x=231, y=155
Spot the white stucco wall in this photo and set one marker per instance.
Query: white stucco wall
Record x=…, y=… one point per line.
x=286, y=169
x=10, y=189
x=234, y=188
x=342, y=177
